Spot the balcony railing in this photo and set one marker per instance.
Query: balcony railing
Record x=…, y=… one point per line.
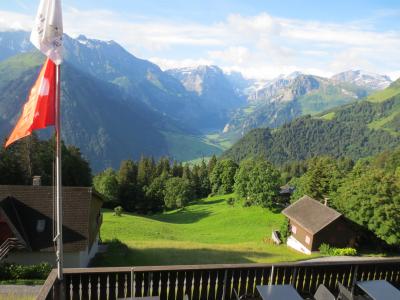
x=8, y=245
x=214, y=282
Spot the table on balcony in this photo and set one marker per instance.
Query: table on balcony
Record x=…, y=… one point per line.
x=278, y=292
x=379, y=290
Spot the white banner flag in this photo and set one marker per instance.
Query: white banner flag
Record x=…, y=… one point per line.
x=47, y=33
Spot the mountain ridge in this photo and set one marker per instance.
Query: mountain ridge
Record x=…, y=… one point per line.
x=274, y=103
x=355, y=130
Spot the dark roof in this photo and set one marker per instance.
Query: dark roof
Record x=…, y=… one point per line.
x=286, y=189
x=8, y=207
x=34, y=203
x=311, y=214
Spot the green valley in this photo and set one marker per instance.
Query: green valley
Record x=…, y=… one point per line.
x=206, y=231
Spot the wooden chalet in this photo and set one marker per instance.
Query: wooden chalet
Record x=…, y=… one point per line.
x=313, y=223
x=27, y=227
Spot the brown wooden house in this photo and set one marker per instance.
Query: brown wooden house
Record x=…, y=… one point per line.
x=27, y=227
x=313, y=223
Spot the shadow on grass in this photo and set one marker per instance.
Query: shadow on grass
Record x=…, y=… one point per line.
x=209, y=202
x=181, y=216
x=119, y=254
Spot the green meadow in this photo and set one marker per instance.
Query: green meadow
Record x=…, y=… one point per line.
x=206, y=232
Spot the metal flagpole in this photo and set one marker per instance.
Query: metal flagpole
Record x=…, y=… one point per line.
x=59, y=236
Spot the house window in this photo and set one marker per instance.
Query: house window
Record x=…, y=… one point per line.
x=294, y=229
x=40, y=225
x=308, y=240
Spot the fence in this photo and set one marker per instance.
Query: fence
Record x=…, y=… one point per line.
x=214, y=282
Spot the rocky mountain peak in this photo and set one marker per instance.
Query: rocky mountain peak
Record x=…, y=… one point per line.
x=363, y=79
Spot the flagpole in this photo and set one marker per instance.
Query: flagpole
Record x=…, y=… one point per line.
x=59, y=236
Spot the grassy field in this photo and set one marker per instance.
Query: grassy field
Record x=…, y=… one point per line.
x=209, y=231
x=385, y=94
x=328, y=117
x=382, y=123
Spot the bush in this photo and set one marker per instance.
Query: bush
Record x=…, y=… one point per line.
x=11, y=271
x=118, y=211
x=344, y=252
x=325, y=249
x=247, y=202
x=284, y=230
x=230, y=201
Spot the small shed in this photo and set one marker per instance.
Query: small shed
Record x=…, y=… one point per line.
x=313, y=223
x=285, y=192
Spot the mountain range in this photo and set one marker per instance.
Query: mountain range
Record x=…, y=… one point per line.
x=276, y=102
x=117, y=106
x=355, y=130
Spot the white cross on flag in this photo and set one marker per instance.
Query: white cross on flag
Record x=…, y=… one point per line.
x=47, y=33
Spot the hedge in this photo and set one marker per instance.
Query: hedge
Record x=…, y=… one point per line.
x=12, y=271
x=325, y=249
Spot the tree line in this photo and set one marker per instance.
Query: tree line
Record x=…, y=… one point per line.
x=148, y=185
x=366, y=191
x=34, y=157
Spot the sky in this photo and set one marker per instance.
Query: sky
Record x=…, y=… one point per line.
x=259, y=38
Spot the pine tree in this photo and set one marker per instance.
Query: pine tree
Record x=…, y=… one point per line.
x=211, y=164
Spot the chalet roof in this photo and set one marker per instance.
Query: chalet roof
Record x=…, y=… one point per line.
x=34, y=205
x=8, y=208
x=311, y=214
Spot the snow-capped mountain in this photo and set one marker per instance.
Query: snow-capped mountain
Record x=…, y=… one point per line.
x=199, y=79
x=363, y=79
x=213, y=87
x=268, y=89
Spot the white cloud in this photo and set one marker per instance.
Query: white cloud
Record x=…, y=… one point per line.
x=166, y=64
x=14, y=21
x=231, y=55
x=143, y=34
x=260, y=46
x=394, y=75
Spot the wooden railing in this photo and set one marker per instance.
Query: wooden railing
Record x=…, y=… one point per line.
x=8, y=245
x=214, y=282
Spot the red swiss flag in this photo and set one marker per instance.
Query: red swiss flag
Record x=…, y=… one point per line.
x=39, y=110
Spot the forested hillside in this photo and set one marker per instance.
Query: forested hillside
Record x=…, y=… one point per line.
x=356, y=130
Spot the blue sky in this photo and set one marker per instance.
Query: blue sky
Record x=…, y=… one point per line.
x=260, y=38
